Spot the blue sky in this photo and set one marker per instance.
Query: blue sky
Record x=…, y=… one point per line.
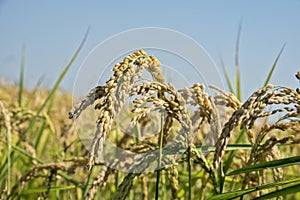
x=52, y=30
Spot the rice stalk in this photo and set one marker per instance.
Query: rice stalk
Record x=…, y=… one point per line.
x=21, y=84
x=7, y=123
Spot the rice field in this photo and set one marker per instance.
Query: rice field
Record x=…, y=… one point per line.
x=202, y=146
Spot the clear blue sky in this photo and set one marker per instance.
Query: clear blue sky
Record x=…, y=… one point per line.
x=52, y=30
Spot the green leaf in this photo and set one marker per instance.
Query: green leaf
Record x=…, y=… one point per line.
x=273, y=67
x=228, y=81
x=21, y=84
x=54, y=89
x=229, y=158
x=271, y=164
x=88, y=182
x=229, y=147
x=58, y=81
x=237, y=71
x=23, y=151
x=238, y=193
x=44, y=189
x=282, y=192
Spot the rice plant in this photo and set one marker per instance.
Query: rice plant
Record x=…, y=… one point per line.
x=254, y=149
x=262, y=139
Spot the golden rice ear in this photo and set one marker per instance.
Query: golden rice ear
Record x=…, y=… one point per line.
x=298, y=75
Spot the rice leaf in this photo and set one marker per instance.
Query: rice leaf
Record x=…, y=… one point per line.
x=45, y=189
x=238, y=193
x=273, y=67
x=237, y=71
x=282, y=192
x=34, y=91
x=271, y=164
x=88, y=182
x=57, y=83
x=228, y=81
x=229, y=158
x=21, y=83
x=23, y=151
x=230, y=147
x=54, y=89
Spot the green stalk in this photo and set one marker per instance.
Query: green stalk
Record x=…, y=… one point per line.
x=25, y=153
x=8, y=139
x=41, y=130
x=160, y=143
x=33, y=92
x=21, y=84
x=22, y=151
x=228, y=81
x=8, y=161
x=55, y=87
x=190, y=172
x=137, y=134
x=117, y=141
x=229, y=158
x=157, y=184
x=89, y=180
x=237, y=71
x=39, y=134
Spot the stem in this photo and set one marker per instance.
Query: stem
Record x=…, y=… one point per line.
x=88, y=182
x=190, y=172
x=157, y=184
x=21, y=84
x=160, y=142
x=117, y=141
x=6, y=116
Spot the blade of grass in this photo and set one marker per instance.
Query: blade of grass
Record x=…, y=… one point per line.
x=190, y=172
x=238, y=193
x=49, y=97
x=34, y=91
x=21, y=83
x=69, y=179
x=39, y=134
x=22, y=151
x=229, y=158
x=237, y=71
x=230, y=147
x=46, y=121
x=221, y=178
x=228, y=81
x=88, y=182
x=44, y=189
x=273, y=67
x=282, y=192
x=57, y=83
x=271, y=164
x=117, y=141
